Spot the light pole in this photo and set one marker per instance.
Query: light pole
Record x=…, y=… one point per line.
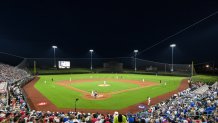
x=172, y=46
x=54, y=47
x=91, y=51
x=135, y=52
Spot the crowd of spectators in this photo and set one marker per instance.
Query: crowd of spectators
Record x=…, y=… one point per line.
x=11, y=74
x=3, y=95
x=8, y=76
x=183, y=107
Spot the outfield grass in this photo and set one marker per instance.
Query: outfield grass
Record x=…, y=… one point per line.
x=205, y=78
x=64, y=98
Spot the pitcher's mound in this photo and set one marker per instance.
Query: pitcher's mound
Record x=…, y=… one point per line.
x=104, y=85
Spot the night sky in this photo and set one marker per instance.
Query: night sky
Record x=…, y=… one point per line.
x=112, y=29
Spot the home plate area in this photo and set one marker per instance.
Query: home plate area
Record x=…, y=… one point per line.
x=101, y=96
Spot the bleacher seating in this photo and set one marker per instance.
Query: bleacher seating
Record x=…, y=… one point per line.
x=11, y=74
x=201, y=89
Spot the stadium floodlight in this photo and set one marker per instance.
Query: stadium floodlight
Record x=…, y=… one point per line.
x=91, y=51
x=54, y=47
x=135, y=52
x=172, y=46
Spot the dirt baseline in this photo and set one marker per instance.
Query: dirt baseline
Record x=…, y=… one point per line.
x=34, y=97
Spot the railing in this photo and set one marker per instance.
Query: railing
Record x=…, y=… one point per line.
x=25, y=99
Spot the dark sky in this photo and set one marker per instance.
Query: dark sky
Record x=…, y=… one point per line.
x=112, y=29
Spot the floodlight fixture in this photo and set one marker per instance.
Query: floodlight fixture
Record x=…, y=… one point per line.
x=173, y=45
x=54, y=47
x=136, y=51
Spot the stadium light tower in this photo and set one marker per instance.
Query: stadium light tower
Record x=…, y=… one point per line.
x=54, y=47
x=172, y=46
x=135, y=52
x=91, y=51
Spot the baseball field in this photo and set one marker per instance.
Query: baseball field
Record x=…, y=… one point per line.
x=115, y=91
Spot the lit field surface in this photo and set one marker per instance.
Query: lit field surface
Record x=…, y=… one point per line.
x=63, y=97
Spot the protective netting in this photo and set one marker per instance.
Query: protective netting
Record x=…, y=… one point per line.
x=87, y=65
x=118, y=64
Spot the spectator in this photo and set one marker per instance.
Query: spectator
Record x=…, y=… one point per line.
x=120, y=119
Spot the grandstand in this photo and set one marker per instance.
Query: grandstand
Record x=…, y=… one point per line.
x=12, y=74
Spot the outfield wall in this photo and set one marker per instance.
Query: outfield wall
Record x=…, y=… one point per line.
x=103, y=65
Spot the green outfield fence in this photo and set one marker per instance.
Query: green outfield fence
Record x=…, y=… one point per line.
x=104, y=65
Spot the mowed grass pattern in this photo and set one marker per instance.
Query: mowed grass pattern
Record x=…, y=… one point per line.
x=64, y=98
x=114, y=86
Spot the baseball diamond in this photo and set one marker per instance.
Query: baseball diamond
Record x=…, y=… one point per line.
x=60, y=93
